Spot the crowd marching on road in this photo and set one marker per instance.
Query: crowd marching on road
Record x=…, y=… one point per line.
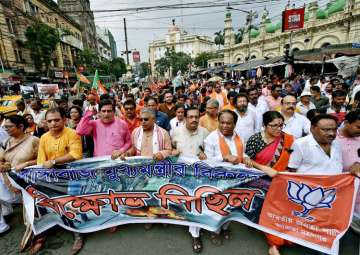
x=268, y=123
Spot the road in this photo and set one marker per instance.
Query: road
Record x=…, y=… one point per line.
x=134, y=240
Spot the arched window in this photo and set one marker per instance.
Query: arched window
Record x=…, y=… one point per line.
x=253, y=57
x=324, y=45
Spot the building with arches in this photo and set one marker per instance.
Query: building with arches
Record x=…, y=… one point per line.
x=335, y=24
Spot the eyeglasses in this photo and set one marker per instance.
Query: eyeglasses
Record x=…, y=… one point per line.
x=275, y=126
x=9, y=126
x=144, y=119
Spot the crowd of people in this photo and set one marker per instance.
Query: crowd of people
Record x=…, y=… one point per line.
x=304, y=124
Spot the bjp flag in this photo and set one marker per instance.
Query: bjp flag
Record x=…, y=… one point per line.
x=313, y=208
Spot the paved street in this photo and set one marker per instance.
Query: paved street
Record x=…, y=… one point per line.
x=134, y=240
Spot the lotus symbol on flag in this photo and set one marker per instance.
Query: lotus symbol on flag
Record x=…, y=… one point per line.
x=309, y=198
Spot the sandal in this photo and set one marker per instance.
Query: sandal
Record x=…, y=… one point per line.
x=227, y=234
x=216, y=239
x=78, y=244
x=37, y=245
x=197, y=244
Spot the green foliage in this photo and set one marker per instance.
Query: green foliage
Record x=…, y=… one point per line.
x=89, y=58
x=144, y=69
x=179, y=61
x=219, y=38
x=201, y=60
x=117, y=67
x=240, y=35
x=41, y=39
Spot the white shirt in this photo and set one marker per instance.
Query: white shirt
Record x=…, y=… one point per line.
x=38, y=117
x=212, y=146
x=175, y=123
x=297, y=125
x=188, y=143
x=304, y=108
x=308, y=157
x=247, y=125
x=259, y=110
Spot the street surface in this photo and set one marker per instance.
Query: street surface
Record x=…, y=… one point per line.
x=160, y=240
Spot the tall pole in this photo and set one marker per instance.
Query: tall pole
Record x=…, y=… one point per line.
x=249, y=35
x=126, y=43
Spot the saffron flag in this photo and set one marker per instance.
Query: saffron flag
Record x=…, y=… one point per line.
x=316, y=209
x=82, y=78
x=97, y=85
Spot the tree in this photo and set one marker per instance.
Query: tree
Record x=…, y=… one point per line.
x=41, y=40
x=219, y=38
x=240, y=35
x=201, y=60
x=89, y=58
x=162, y=65
x=117, y=67
x=179, y=61
x=144, y=69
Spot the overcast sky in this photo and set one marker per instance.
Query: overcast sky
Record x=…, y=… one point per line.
x=143, y=27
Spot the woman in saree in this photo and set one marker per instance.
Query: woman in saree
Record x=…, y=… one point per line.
x=17, y=152
x=270, y=152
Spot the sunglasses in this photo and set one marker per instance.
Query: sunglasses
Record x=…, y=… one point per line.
x=144, y=119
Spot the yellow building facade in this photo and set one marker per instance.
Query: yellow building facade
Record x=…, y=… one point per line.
x=336, y=23
x=17, y=15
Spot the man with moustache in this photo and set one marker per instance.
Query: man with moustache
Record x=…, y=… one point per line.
x=111, y=136
x=247, y=123
x=58, y=146
x=328, y=160
x=295, y=124
x=188, y=141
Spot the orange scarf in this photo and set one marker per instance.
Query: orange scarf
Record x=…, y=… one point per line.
x=225, y=150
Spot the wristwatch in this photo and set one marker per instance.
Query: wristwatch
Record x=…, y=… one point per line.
x=53, y=162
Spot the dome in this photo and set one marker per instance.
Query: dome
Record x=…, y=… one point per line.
x=254, y=33
x=321, y=14
x=270, y=28
x=228, y=14
x=338, y=6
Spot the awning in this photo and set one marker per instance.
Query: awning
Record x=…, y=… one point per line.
x=348, y=49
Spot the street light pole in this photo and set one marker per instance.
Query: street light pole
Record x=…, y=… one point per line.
x=249, y=18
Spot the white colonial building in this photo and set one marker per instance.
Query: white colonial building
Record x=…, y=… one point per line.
x=180, y=41
x=338, y=23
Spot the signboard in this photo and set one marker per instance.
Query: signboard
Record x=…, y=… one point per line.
x=293, y=19
x=58, y=74
x=136, y=56
x=45, y=90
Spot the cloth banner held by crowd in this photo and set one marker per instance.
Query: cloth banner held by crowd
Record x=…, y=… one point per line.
x=95, y=194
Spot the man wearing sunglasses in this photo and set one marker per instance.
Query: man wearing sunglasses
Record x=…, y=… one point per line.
x=149, y=139
x=295, y=123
